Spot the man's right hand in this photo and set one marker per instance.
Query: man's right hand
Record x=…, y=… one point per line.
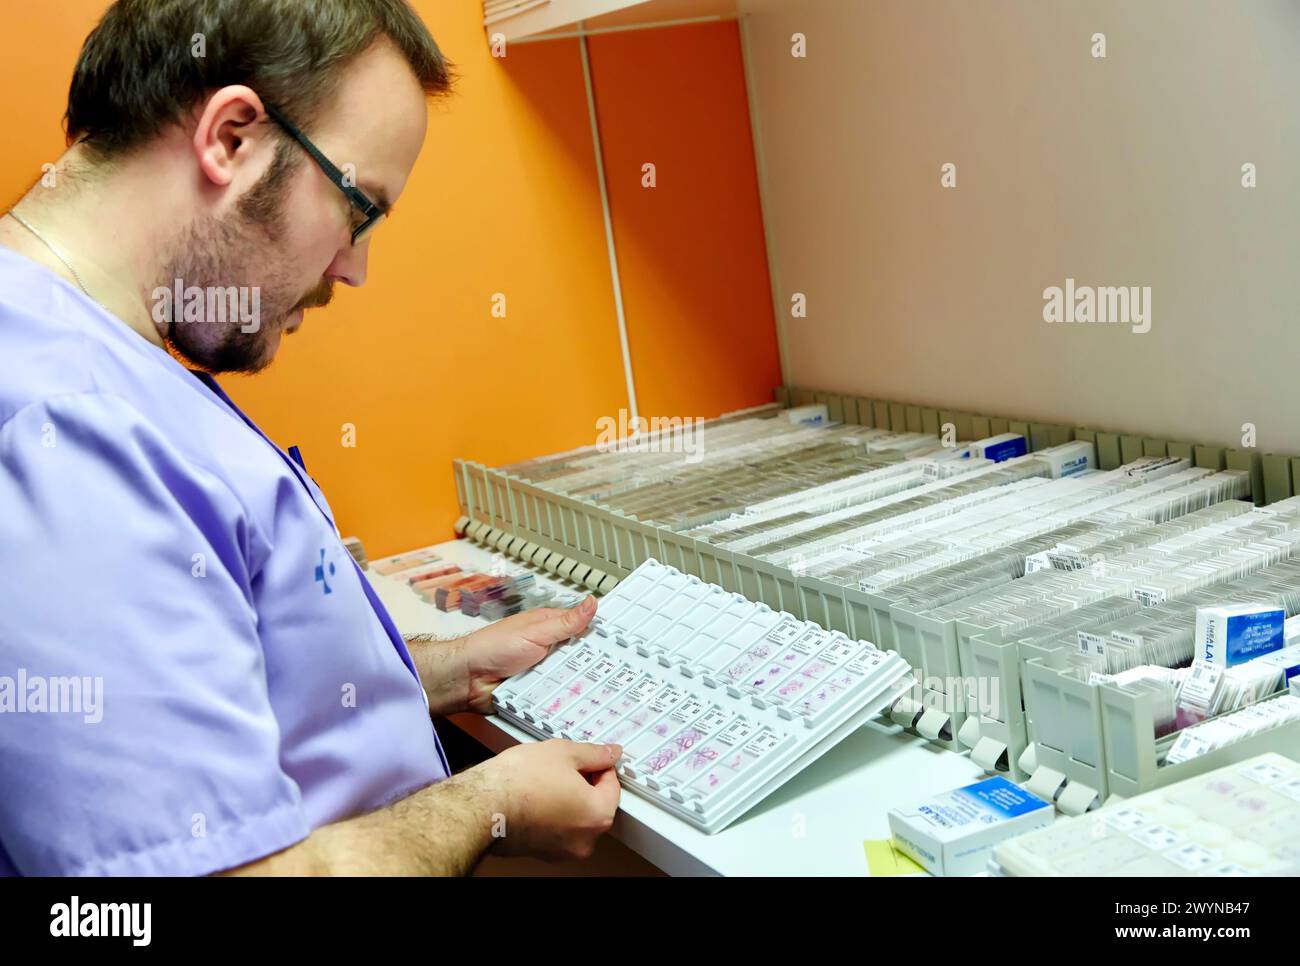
x=558, y=797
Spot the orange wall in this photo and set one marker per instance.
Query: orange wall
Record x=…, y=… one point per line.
x=504, y=199
x=691, y=252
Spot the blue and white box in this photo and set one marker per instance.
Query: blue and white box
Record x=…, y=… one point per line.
x=814, y=414
x=1235, y=633
x=1070, y=459
x=954, y=833
x=1001, y=447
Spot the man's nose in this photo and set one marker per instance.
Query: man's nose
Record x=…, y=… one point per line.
x=349, y=267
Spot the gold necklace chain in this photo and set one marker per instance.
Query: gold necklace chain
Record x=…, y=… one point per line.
x=54, y=251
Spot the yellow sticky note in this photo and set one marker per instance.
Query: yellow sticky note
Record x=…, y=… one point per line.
x=884, y=859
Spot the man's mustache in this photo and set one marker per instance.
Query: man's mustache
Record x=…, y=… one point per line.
x=319, y=297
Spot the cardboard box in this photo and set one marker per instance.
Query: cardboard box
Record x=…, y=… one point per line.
x=954, y=833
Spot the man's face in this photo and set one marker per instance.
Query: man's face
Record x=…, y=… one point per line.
x=283, y=240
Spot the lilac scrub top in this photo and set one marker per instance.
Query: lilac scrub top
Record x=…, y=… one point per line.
x=194, y=674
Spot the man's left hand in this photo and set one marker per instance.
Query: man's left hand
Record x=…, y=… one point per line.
x=516, y=643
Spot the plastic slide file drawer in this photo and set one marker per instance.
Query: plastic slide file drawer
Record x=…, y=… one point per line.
x=716, y=700
x=1242, y=819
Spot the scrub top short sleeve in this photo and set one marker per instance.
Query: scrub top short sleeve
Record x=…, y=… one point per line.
x=145, y=759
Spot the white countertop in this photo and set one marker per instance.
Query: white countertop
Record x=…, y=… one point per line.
x=814, y=825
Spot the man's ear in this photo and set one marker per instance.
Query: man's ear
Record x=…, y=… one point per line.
x=227, y=131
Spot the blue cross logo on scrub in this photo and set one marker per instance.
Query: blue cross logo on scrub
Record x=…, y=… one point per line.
x=296, y=455
x=320, y=572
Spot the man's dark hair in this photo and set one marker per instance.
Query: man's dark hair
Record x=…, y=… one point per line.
x=139, y=71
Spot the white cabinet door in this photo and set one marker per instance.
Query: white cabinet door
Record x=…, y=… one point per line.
x=517, y=19
x=524, y=18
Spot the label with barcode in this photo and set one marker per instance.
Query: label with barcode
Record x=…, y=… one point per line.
x=602, y=669
x=1262, y=772
x=810, y=640
x=668, y=697
x=625, y=676
x=644, y=689
x=736, y=732
x=1189, y=745
x=1092, y=645
x=1201, y=684
x=1157, y=837
x=714, y=719
x=1149, y=596
x=784, y=632
x=690, y=708
x=1192, y=857
x=1067, y=561
x=1290, y=789
x=1125, y=819
x=580, y=660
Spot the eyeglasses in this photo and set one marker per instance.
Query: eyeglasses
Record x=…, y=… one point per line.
x=371, y=212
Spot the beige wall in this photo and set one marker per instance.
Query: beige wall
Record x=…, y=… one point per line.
x=1122, y=171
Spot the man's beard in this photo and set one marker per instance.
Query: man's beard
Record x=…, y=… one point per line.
x=239, y=252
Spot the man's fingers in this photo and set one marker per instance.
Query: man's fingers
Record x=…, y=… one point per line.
x=555, y=624
x=527, y=618
x=588, y=757
x=579, y=615
x=607, y=790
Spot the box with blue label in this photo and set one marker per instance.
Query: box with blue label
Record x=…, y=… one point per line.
x=1236, y=633
x=1001, y=447
x=954, y=833
x=814, y=414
